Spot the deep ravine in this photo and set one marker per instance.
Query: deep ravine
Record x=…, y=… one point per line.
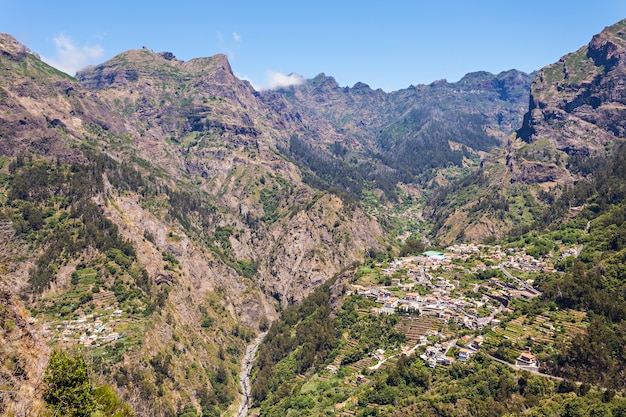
x=244, y=376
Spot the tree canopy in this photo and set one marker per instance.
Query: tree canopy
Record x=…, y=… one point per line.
x=69, y=391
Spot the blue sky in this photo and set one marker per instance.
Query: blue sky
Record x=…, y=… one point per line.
x=387, y=44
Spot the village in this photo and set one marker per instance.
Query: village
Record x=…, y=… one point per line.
x=87, y=330
x=432, y=284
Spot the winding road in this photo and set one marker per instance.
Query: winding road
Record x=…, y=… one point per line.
x=244, y=376
x=532, y=370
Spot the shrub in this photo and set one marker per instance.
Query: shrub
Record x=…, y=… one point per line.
x=68, y=391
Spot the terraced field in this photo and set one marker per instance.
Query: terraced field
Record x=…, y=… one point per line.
x=415, y=327
x=544, y=331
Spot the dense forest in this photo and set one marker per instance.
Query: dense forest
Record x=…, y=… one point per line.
x=53, y=205
x=329, y=170
x=314, y=337
x=596, y=282
x=420, y=142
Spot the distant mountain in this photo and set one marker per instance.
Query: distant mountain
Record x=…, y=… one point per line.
x=196, y=208
x=407, y=135
x=576, y=111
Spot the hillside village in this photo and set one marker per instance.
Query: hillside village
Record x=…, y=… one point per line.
x=257, y=205
x=433, y=284
x=87, y=330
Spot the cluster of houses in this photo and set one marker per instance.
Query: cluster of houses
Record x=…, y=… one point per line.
x=437, y=303
x=88, y=330
x=495, y=255
x=475, y=308
x=438, y=353
x=421, y=273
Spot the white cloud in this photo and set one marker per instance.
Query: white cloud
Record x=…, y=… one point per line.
x=70, y=57
x=274, y=80
x=236, y=37
x=277, y=80
x=246, y=78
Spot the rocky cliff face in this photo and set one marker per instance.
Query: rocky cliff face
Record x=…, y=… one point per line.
x=43, y=110
x=23, y=352
x=578, y=103
x=227, y=235
x=200, y=121
x=237, y=203
x=577, y=109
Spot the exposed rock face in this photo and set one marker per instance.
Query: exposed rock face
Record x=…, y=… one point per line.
x=43, y=110
x=532, y=172
x=300, y=267
x=579, y=103
x=14, y=50
x=607, y=48
x=362, y=112
x=196, y=120
x=577, y=108
x=270, y=238
x=188, y=127
x=23, y=352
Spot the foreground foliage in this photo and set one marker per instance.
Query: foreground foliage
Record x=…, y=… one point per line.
x=69, y=390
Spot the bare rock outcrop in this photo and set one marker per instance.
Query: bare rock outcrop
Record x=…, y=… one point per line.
x=579, y=103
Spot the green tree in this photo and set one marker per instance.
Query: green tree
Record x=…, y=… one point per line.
x=412, y=246
x=68, y=392
x=188, y=411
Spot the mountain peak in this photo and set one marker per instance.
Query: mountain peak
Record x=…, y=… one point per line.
x=9, y=46
x=215, y=63
x=322, y=78
x=577, y=102
x=220, y=59
x=361, y=86
x=608, y=48
x=131, y=65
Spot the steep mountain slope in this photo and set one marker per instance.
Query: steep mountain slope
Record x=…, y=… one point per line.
x=377, y=139
x=154, y=189
x=171, y=209
x=44, y=110
x=562, y=185
x=204, y=125
x=23, y=353
x=576, y=111
x=578, y=102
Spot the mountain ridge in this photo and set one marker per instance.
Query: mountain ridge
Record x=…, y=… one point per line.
x=201, y=208
x=586, y=80
x=575, y=112
x=220, y=223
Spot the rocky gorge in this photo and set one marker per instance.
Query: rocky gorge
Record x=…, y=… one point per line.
x=201, y=209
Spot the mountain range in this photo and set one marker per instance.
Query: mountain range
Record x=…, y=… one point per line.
x=198, y=208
